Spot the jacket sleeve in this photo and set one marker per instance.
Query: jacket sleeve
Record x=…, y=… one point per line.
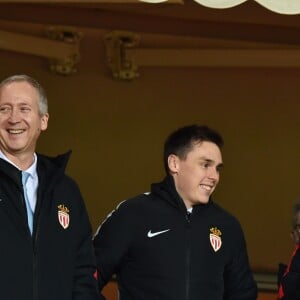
x=238, y=278
x=111, y=242
x=85, y=283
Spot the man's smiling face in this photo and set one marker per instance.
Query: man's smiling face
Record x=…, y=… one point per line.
x=197, y=175
x=20, y=120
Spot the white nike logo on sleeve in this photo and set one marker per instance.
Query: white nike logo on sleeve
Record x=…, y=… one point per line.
x=152, y=234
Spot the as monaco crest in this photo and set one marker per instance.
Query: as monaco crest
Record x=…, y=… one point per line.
x=215, y=238
x=63, y=216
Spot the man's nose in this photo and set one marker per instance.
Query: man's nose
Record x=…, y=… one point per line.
x=14, y=116
x=213, y=173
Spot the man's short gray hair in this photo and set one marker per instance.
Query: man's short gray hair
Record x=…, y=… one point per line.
x=43, y=102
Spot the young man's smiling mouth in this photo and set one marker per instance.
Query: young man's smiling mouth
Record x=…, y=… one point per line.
x=206, y=187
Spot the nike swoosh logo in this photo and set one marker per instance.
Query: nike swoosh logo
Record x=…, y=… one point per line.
x=152, y=234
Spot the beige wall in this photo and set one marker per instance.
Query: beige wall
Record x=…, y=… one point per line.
x=116, y=130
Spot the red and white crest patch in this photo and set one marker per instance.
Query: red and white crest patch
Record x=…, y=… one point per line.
x=215, y=238
x=63, y=216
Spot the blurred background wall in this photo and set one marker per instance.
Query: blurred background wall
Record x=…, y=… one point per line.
x=116, y=130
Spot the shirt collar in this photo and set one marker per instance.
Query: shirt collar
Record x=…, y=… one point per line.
x=31, y=170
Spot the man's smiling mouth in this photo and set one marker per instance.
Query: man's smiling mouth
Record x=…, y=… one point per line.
x=206, y=187
x=15, y=131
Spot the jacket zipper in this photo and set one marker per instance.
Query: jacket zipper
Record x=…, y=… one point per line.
x=188, y=257
x=34, y=267
x=33, y=239
x=34, y=256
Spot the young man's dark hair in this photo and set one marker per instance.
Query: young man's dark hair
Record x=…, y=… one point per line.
x=182, y=140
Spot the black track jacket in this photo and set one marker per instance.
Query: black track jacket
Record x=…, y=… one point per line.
x=57, y=262
x=158, y=252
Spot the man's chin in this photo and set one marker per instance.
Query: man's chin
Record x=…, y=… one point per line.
x=203, y=201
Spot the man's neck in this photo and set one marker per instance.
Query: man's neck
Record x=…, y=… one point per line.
x=22, y=161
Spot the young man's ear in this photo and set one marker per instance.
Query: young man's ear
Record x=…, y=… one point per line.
x=173, y=163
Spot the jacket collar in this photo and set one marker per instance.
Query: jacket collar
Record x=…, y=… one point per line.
x=49, y=169
x=167, y=190
x=11, y=171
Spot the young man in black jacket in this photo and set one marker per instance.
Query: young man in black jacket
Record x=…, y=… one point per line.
x=175, y=243
x=289, y=283
x=46, y=247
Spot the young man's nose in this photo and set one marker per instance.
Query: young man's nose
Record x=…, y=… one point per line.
x=213, y=173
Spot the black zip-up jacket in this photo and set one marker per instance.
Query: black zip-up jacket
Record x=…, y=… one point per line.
x=57, y=262
x=159, y=252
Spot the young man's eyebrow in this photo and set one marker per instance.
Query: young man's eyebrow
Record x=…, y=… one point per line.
x=208, y=160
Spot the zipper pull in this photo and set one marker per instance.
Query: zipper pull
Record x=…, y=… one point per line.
x=188, y=216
